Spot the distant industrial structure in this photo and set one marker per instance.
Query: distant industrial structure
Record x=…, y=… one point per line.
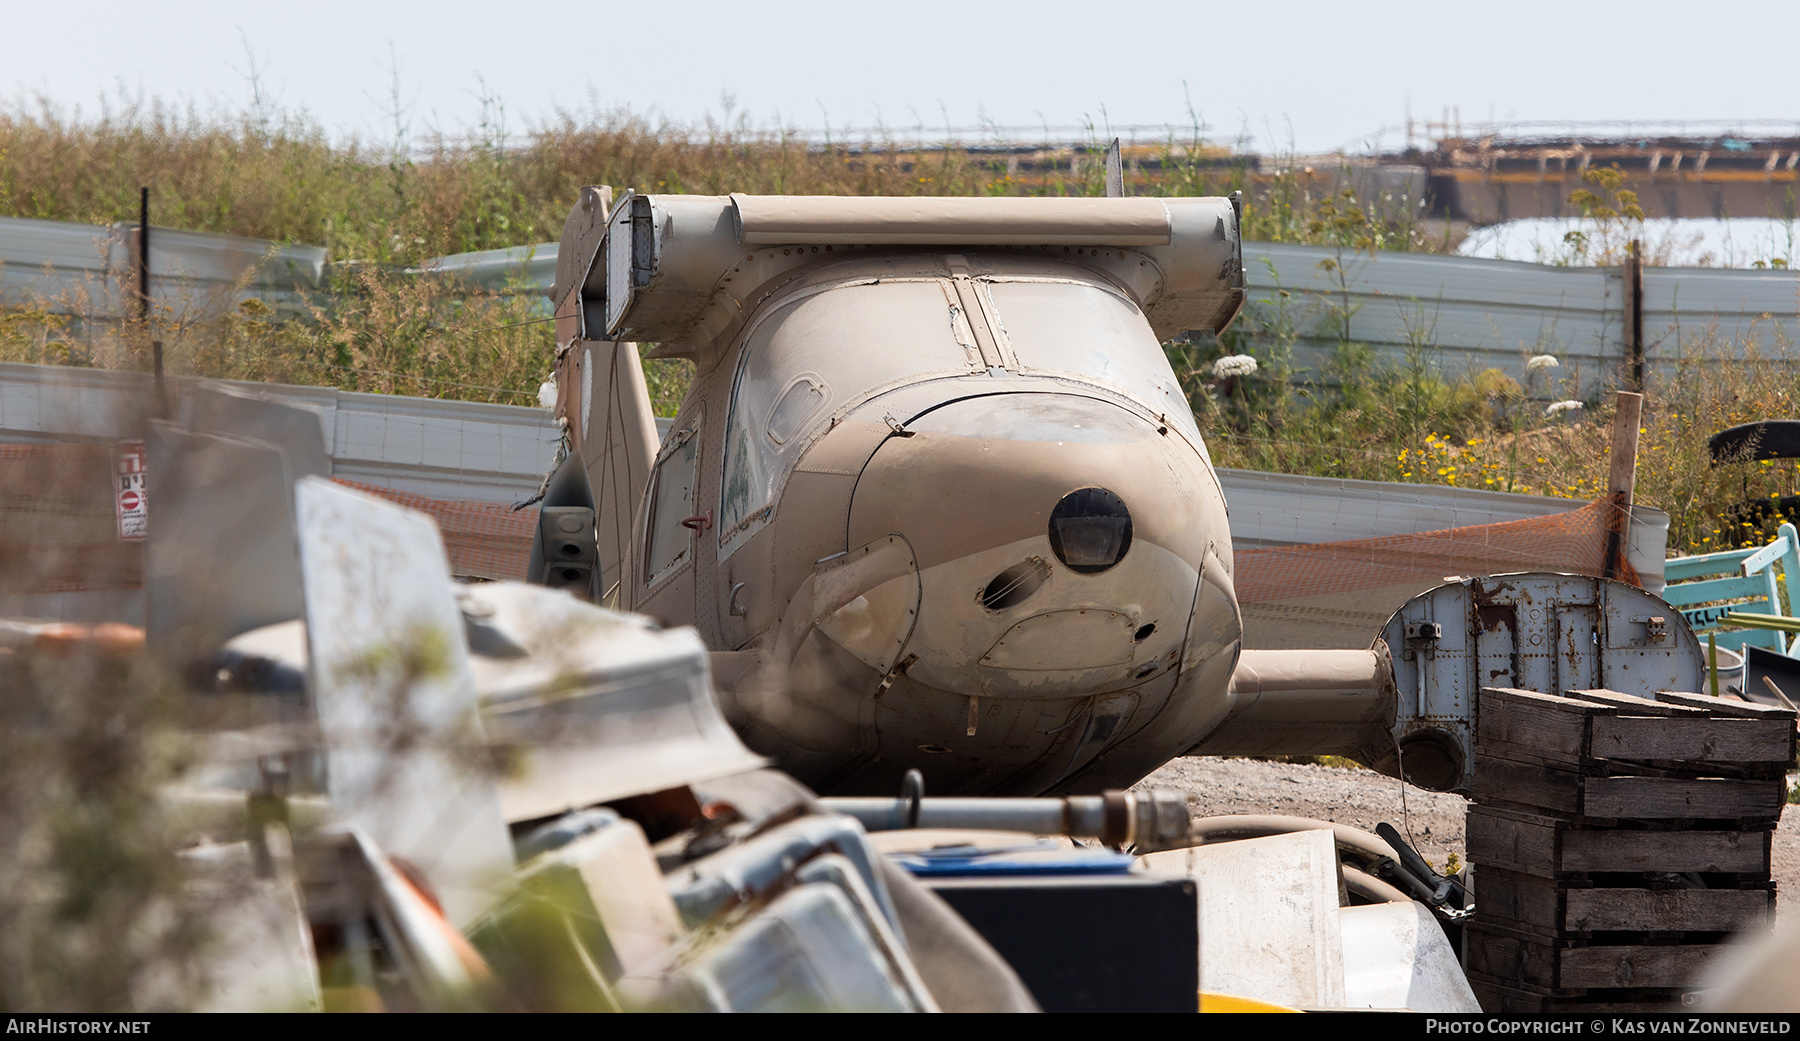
x=1467, y=175
x=1488, y=179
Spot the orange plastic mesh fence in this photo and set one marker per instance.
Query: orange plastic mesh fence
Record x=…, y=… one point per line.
x=58, y=533
x=59, y=525
x=58, y=522
x=482, y=539
x=1339, y=594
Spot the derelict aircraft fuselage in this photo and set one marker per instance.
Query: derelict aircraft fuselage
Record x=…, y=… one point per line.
x=935, y=498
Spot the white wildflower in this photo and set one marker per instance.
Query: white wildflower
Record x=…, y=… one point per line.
x=1562, y=406
x=547, y=395
x=1542, y=362
x=1233, y=365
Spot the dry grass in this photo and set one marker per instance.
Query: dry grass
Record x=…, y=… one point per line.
x=277, y=176
x=378, y=207
x=1483, y=431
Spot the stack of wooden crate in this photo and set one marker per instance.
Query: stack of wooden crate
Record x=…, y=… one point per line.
x=1616, y=843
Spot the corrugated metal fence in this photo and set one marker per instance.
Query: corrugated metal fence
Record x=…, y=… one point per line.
x=1457, y=314
x=89, y=272
x=1464, y=315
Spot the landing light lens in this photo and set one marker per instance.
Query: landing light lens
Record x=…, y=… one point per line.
x=1090, y=530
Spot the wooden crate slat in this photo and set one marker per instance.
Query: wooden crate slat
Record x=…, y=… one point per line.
x=1736, y=852
x=1651, y=798
x=1519, y=842
x=1544, y=963
x=1512, y=901
x=1606, y=731
x=1636, y=706
x=1725, y=706
x=1532, y=844
x=1673, y=910
x=1510, y=996
x=1498, y=996
x=1701, y=740
x=1508, y=957
x=1503, y=780
x=1565, y=791
x=1532, y=722
x=1635, y=966
x=1546, y=702
x=1552, y=909
x=1588, y=766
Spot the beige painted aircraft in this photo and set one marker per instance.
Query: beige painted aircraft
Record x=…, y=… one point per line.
x=935, y=498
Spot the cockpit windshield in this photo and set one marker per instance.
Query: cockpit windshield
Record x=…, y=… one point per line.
x=1057, y=326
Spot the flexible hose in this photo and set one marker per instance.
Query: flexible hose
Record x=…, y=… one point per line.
x=1369, y=887
x=1228, y=827
x=1248, y=826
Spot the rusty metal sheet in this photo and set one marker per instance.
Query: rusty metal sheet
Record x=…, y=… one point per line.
x=1536, y=632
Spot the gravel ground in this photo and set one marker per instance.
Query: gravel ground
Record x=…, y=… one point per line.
x=1364, y=799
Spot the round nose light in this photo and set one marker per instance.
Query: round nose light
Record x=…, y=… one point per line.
x=1090, y=530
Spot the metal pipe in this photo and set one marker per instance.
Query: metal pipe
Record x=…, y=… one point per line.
x=144, y=256
x=1310, y=702
x=156, y=347
x=1147, y=820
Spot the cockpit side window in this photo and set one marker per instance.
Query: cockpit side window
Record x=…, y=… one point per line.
x=669, y=543
x=1074, y=327
x=810, y=356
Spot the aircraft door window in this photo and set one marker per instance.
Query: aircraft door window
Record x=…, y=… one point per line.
x=672, y=501
x=803, y=397
x=1078, y=328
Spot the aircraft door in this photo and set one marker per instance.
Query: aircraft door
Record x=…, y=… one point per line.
x=673, y=525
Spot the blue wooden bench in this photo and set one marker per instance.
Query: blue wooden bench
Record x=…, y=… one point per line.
x=1748, y=583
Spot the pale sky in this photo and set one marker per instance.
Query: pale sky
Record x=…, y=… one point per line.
x=1317, y=75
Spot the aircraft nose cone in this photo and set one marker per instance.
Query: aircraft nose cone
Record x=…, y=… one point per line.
x=1083, y=477
x=1058, y=541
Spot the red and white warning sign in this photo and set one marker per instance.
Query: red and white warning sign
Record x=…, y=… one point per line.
x=128, y=488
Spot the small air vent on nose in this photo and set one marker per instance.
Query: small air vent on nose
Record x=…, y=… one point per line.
x=1015, y=584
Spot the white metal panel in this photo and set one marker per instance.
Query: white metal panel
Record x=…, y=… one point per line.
x=443, y=449
x=43, y=403
x=1464, y=314
x=388, y=671
x=1396, y=957
x=1269, y=926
